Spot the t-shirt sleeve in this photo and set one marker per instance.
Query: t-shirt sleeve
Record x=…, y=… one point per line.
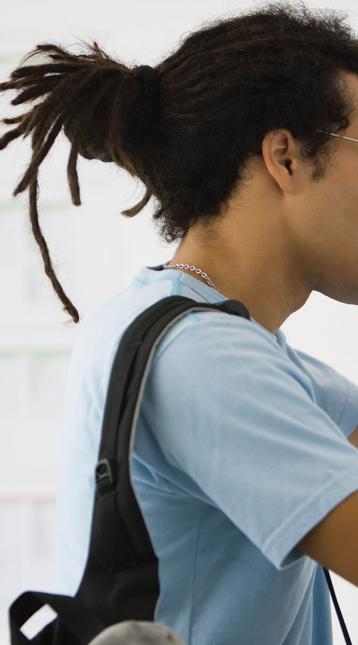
x=335, y=393
x=230, y=410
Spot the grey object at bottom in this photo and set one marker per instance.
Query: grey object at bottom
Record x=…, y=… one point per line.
x=137, y=632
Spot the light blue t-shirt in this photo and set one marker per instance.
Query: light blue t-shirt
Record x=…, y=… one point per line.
x=240, y=449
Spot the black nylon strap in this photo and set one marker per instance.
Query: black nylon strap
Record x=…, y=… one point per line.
x=337, y=608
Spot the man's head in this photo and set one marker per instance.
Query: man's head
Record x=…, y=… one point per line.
x=319, y=218
x=284, y=233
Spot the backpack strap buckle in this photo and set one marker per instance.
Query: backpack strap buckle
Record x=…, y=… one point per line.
x=104, y=476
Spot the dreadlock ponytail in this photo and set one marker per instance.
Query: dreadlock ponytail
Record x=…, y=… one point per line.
x=105, y=110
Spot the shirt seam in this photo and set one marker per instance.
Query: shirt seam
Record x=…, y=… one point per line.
x=191, y=616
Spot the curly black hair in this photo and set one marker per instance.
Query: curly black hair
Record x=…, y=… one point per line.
x=226, y=85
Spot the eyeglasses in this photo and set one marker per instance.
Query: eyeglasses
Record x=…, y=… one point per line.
x=338, y=135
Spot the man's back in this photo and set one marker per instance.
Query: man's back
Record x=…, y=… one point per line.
x=240, y=450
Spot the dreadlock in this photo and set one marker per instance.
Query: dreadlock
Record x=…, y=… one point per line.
x=188, y=137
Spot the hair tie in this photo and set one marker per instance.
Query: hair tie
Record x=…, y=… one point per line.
x=149, y=77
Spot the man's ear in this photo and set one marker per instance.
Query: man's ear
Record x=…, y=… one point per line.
x=279, y=152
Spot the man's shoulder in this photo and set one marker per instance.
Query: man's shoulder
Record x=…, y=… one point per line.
x=215, y=336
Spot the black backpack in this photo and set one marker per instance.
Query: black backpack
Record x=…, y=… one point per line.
x=120, y=581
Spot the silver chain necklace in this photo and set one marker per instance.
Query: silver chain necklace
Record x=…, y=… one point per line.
x=166, y=265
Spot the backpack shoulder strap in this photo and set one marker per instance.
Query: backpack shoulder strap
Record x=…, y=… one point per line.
x=129, y=372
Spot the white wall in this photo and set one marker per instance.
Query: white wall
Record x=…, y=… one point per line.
x=95, y=253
